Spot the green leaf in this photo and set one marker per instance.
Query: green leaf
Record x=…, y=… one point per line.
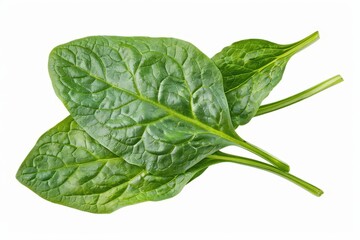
x=68, y=167
x=157, y=102
x=158, y=99
x=251, y=69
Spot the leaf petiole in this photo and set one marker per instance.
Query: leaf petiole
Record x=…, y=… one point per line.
x=265, y=155
x=223, y=157
x=299, y=96
x=300, y=45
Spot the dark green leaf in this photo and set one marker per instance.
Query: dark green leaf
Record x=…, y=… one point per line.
x=251, y=69
x=157, y=102
x=68, y=167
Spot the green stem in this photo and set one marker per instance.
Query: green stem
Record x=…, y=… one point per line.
x=223, y=157
x=265, y=155
x=300, y=45
x=300, y=96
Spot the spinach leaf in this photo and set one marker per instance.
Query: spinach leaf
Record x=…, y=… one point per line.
x=251, y=69
x=157, y=102
x=68, y=167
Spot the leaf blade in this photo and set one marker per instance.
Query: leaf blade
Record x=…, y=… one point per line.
x=144, y=123
x=68, y=167
x=251, y=69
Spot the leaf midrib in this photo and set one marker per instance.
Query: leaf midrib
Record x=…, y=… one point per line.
x=170, y=111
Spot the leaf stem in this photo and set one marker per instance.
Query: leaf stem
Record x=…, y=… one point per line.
x=299, y=96
x=300, y=45
x=223, y=157
x=265, y=155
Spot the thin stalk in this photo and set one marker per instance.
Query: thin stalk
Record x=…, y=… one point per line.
x=300, y=45
x=222, y=157
x=236, y=140
x=265, y=155
x=299, y=96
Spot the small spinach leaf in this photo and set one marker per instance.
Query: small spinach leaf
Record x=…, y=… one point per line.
x=251, y=69
x=68, y=167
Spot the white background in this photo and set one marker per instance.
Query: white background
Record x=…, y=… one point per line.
x=316, y=137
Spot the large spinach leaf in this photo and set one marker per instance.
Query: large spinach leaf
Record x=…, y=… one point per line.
x=68, y=167
x=157, y=102
x=251, y=69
